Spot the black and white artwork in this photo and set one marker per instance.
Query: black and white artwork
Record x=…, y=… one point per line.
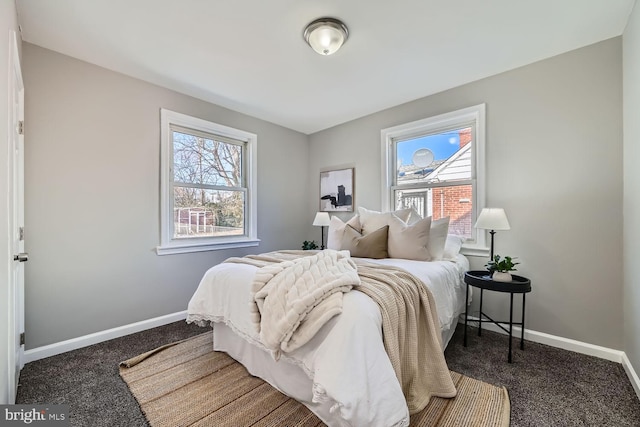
x=336, y=190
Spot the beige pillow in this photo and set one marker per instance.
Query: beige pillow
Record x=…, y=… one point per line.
x=409, y=241
x=438, y=238
x=374, y=220
x=336, y=229
x=372, y=245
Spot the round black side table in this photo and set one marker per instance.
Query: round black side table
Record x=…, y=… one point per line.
x=482, y=279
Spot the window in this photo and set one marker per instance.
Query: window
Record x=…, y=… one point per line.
x=436, y=167
x=208, y=186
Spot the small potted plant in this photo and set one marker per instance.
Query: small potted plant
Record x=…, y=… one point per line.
x=500, y=268
x=309, y=245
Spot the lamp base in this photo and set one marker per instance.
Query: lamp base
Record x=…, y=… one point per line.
x=492, y=232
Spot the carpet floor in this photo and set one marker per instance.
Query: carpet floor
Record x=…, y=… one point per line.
x=547, y=386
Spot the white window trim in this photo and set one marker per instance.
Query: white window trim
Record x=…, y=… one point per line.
x=168, y=245
x=476, y=114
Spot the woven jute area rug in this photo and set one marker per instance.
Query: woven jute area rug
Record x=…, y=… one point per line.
x=188, y=384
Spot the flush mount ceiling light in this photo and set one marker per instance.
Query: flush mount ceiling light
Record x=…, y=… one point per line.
x=326, y=35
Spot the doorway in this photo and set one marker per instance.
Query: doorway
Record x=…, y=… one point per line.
x=16, y=218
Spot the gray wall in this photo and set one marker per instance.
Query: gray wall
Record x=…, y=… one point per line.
x=8, y=22
x=554, y=162
x=631, y=72
x=92, y=198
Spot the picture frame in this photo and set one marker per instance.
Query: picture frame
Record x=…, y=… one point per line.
x=337, y=190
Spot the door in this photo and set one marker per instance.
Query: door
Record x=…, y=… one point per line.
x=16, y=217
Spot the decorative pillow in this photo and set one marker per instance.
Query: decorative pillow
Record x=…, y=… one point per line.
x=409, y=241
x=336, y=229
x=372, y=245
x=414, y=217
x=452, y=247
x=438, y=238
x=373, y=220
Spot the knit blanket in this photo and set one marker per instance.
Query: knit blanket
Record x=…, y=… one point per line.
x=411, y=332
x=410, y=327
x=291, y=300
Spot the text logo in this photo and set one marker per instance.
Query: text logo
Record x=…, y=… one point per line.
x=36, y=415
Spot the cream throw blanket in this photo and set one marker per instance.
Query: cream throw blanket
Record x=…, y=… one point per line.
x=410, y=327
x=291, y=300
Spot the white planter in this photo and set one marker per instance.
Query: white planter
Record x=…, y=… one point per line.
x=499, y=276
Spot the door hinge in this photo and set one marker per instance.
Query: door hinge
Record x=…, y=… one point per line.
x=22, y=338
x=21, y=127
x=21, y=233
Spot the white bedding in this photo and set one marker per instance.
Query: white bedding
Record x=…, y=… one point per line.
x=351, y=378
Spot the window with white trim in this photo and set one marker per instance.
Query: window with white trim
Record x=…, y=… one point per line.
x=208, y=185
x=436, y=167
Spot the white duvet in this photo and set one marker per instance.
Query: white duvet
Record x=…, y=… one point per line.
x=345, y=360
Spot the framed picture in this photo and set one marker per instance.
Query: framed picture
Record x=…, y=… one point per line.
x=336, y=190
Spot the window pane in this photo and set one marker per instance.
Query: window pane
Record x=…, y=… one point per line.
x=198, y=160
x=441, y=157
x=456, y=202
x=207, y=213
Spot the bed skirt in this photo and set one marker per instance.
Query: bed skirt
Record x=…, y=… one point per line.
x=290, y=379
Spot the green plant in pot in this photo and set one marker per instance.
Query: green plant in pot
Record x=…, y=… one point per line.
x=309, y=245
x=500, y=267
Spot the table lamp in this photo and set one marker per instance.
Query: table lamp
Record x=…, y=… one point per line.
x=322, y=220
x=492, y=219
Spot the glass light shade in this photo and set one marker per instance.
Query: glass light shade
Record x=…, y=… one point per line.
x=322, y=219
x=326, y=35
x=492, y=219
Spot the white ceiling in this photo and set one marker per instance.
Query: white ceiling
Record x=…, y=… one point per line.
x=249, y=55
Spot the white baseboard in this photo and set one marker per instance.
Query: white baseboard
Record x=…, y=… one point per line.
x=555, y=341
x=87, y=340
x=571, y=345
x=631, y=373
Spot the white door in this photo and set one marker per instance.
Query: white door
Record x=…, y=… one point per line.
x=16, y=218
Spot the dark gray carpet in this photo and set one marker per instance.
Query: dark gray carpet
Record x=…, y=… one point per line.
x=547, y=386
x=88, y=379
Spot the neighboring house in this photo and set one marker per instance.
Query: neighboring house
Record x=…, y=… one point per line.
x=454, y=201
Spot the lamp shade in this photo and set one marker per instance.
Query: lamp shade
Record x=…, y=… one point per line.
x=322, y=219
x=326, y=35
x=492, y=219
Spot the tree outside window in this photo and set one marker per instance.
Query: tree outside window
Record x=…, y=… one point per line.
x=208, y=186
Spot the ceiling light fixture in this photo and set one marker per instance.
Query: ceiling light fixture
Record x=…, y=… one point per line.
x=326, y=35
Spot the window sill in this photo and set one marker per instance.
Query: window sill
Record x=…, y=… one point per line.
x=186, y=247
x=475, y=251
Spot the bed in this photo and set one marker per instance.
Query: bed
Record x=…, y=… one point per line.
x=343, y=373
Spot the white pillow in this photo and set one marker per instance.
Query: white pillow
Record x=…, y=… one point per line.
x=374, y=220
x=438, y=238
x=414, y=217
x=336, y=230
x=409, y=241
x=452, y=247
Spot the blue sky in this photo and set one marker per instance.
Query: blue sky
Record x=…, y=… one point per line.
x=443, y=145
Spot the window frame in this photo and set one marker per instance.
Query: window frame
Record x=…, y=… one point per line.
x=170, y=245
x=474, y=116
